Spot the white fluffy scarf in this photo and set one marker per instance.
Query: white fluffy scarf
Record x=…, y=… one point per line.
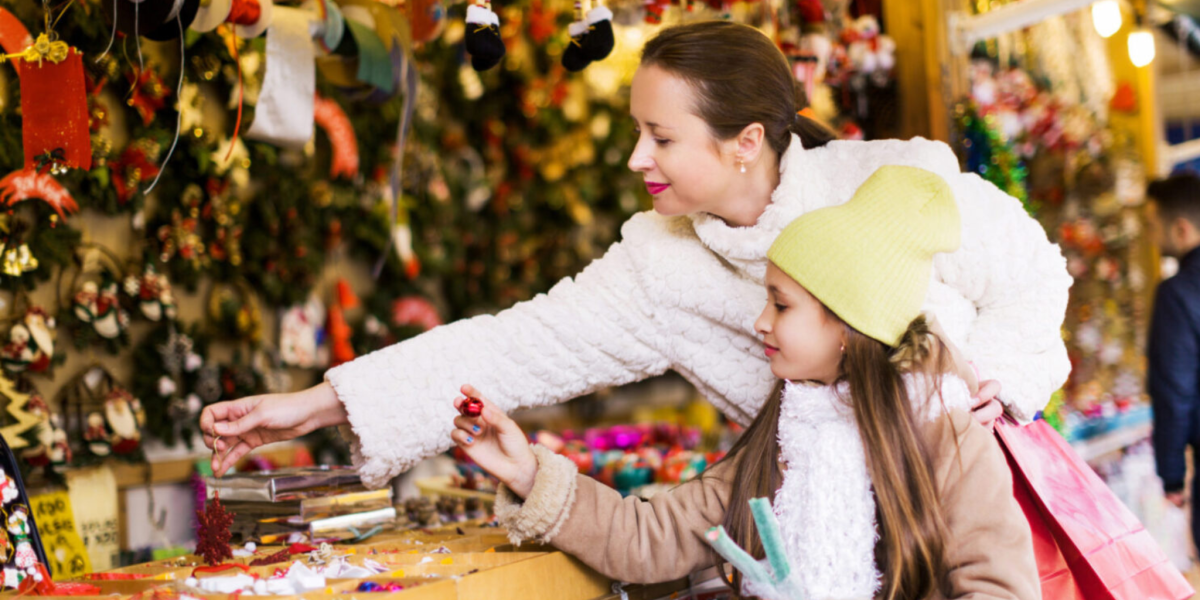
x=825, y=507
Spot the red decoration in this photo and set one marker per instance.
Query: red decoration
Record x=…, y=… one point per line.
x=1125, y=98
x=130, y=170
x=811, y=11
x=415, y=310
x=346, y=295
x=28, y=184
x=212, y=532
x=278, y=557
x=339, y=335
x=149, y=94
x=471, y=407
x=14, y=37
x=54, y=109
x=330, y=117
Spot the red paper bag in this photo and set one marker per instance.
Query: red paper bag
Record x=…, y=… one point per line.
x=1108, y=553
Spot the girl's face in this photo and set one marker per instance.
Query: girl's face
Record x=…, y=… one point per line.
x=684, y=167
x=803, y=340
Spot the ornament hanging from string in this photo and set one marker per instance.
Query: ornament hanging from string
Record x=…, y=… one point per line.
x=483, y=36
x=53, y=103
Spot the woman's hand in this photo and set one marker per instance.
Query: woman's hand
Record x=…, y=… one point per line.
x=232, y=429
x=496, y=443
x=987, y=408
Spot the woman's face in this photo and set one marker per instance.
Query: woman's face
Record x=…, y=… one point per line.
x=685, y=169
x=802, y=339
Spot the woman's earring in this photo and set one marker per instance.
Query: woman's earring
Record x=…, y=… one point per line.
x=843, y=350
x=742, y=166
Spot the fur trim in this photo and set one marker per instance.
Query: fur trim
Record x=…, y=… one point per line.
x=478, y=15
x=600, y=13
x=577, y=28
x=540, y=516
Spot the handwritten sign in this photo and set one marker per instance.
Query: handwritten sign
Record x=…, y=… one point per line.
x=55, y=520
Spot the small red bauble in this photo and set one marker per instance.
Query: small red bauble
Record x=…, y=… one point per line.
x=471, y=407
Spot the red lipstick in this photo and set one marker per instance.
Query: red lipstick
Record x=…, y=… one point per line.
x=656, y=188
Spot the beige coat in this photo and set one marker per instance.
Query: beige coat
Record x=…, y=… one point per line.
x=991, y=548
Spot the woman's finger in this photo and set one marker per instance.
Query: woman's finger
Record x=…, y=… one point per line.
x=472, y=425
x=462, y=438
x=230, y=459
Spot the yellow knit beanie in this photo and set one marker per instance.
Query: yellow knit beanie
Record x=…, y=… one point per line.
x=870, y=260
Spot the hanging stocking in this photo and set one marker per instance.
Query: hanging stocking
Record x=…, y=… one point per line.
x=574, y=57
x=483, y=36
x=599, y=41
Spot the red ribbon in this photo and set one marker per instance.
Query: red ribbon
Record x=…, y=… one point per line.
x=301, y=549
x=220, y=568
x=114, y=576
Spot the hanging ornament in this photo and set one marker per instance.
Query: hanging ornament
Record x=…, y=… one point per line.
x=234, y=312
x=284, y=113
x=53, y=106
x=344, y=144
x=152, y=292
x=125, y=418
x=212, y=531
x=47, y=440
x=148, y=94
x=102, y=417
x=17, y=259
x=341, y=349
x=574, y=58
x=96, y=313
x=598, y=43
x=301, y=329
x=30, y=344
x=483, y=36
x=29, y=184
x=135, y=166
x=20, y=420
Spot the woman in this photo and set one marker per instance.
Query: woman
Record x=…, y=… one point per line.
x=729, y=163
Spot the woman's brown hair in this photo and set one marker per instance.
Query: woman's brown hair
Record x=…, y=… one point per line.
x=740, y=78
x=911, y=552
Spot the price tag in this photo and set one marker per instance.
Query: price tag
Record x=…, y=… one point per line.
x=55, y=521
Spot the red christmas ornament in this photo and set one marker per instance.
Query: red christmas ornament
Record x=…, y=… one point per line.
x=471, y=407
x=54, y=107
x=131, y=169
x=212, y=532
x=330, y=117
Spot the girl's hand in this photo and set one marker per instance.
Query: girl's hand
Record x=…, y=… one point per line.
x=987, y=408
x=496, y=443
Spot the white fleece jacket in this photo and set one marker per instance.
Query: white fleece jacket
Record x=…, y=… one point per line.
x=682, y=293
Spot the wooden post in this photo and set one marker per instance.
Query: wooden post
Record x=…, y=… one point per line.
x=928, y=79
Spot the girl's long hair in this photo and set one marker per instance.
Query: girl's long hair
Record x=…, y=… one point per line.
x=911, y=551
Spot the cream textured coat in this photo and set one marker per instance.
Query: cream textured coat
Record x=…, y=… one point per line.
x=682, y=293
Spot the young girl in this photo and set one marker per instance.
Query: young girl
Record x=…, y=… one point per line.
x=882, y=483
